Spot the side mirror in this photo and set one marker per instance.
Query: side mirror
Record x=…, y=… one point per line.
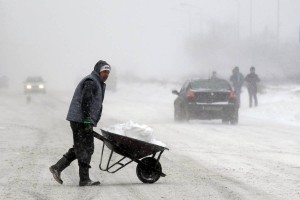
x=175, y=92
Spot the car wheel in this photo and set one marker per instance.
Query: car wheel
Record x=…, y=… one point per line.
x=177, y=115
x=184, y=113
x=225, y=121
x=233, y=121
x=235, y=118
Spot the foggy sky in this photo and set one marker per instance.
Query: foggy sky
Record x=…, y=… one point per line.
x=63, y=39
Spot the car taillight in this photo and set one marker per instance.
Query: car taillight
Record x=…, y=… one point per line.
x=191, y=95
x=232, y=97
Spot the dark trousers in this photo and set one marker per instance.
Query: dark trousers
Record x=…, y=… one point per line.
x=238, y=97
x=252, y=95
x=83, y=145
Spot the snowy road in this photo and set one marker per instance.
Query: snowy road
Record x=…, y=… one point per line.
x=257, y=159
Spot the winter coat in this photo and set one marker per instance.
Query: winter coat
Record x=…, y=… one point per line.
x=237, y=80
x=251, y=80
x=87, y=104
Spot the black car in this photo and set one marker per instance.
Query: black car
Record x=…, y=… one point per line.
x=34, y=84
x=206, y=99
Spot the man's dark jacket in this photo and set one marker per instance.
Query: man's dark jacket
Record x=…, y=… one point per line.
x=87, y=100
x=237, y=80
x=251, y=80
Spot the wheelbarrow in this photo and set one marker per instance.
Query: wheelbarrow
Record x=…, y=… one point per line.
x=145, y=154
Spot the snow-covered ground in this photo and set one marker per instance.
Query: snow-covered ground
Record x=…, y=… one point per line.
x=257, y=159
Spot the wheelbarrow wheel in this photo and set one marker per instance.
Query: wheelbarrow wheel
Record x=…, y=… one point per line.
x=145, y=171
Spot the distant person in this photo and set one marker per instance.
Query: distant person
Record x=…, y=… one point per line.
x=214, y=76
x=28, y=99
x=237, y=80
x=84, y=114
x=252, y=79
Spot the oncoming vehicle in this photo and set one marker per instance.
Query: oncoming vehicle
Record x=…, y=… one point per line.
x=206, y=99
x=34, y=84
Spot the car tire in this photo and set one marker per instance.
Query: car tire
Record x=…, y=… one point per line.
x=178, y=114
x=225, y=121
x=235, y=118
x=181, y=114
x=233, y=121
x=185, y=115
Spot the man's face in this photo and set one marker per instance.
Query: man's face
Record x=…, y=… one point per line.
x=104, y=75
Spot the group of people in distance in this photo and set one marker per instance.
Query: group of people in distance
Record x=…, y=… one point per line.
x=237, y=80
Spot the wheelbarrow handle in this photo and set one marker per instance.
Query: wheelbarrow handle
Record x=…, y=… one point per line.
x=98, y=136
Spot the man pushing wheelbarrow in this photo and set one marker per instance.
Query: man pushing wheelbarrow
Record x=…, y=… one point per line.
x=84, y=114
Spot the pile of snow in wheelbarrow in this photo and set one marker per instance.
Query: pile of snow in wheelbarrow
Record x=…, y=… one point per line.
x=135, y=130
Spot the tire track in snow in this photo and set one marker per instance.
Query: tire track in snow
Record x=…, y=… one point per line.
x=192, y=135
x=27, y=167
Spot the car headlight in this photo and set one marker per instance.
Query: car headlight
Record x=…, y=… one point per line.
x=41, y=86
x=28, y=87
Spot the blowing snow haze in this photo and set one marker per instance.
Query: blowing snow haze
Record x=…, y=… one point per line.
x=166, y=40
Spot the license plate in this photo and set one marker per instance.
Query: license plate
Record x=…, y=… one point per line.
x=214, y=108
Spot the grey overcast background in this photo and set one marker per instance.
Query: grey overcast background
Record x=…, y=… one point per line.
x=61, y=40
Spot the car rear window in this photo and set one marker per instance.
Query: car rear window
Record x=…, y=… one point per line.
x=210, y=84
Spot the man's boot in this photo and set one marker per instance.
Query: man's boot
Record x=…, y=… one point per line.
x=58, y=168
x=85, y=178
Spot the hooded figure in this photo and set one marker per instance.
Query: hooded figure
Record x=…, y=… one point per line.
x=237, y=80
x=84, y=113
x=252, y=79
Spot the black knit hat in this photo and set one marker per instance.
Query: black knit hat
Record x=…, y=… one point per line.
x=100, y=64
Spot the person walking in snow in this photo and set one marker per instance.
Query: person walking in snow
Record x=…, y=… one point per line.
x=251, y=80
x=214, y=76
x=84, y=114
x=237, y=80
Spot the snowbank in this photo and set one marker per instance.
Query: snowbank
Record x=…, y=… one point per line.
x=136, y=131
x=280, y=104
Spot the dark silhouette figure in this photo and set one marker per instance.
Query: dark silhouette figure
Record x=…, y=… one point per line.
x=237, y=80
x=252, y=79
x=214, y=76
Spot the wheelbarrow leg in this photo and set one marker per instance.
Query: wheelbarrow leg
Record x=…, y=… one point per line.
x=108, y=166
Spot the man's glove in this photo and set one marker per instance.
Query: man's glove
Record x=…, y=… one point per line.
x=88, y=125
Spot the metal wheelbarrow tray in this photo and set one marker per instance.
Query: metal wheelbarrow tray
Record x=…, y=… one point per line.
x=148, y=168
